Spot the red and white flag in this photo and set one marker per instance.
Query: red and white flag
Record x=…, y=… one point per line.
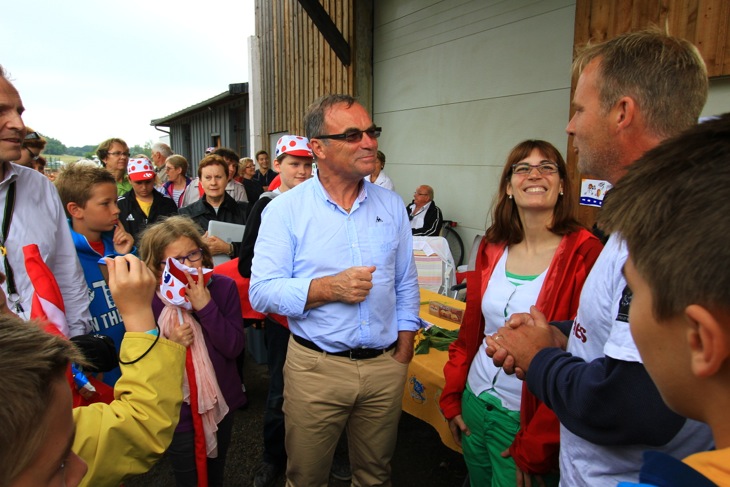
x=47, y=298
x=48, y=308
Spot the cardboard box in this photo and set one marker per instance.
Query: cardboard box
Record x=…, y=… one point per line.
x=446, y=312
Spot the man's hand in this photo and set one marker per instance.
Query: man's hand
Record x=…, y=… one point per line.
x=132, y=285
x=404, y=347
x=523, y=336
x=458, y=428
x=350, y=286
x=123, y=241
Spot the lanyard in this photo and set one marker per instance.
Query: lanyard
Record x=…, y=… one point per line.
x=9, y=206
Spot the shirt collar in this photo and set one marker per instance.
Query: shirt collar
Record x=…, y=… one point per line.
x=361, y=196
x=10, y=172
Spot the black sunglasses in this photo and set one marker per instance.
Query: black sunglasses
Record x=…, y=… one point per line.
x=353, y=135
x=32, y=156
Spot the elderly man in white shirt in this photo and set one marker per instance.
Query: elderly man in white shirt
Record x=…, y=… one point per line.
x=32, y=214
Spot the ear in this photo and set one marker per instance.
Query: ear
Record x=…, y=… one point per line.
x=624, y=112
x=708, y=341
x=75, y=210
x=509, y=189
x=317, y=148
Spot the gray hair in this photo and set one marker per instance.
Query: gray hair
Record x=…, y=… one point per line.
x=665, y=75
x=162, y=148
x=314, y=116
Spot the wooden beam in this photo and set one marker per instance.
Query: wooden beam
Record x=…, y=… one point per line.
x=328, y=29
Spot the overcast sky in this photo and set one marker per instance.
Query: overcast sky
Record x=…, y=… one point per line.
x=88, y=70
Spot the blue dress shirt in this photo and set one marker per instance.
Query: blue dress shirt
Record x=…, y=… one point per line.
x=305, y=235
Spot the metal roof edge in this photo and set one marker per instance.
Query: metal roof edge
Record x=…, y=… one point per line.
x=234, y=90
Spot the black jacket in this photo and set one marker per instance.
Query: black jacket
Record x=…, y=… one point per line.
x=432, y=222
x=230, y=211
x=133, y=218
x=253, y=190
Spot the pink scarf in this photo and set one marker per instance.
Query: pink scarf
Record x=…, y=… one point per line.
x=212, y=406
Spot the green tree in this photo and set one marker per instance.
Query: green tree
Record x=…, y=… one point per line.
x=54, y=146
x=82, y=151
x=138, y=149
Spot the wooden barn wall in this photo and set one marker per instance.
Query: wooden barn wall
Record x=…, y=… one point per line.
x=297, y=63
x=192, y=134
x=705, y=23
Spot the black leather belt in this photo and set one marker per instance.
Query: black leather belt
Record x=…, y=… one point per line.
x=354, y=354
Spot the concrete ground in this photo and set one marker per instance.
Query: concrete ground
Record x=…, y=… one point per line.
x=420, y=458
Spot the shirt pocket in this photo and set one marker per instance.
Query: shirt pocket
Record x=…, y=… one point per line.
x=383, y=246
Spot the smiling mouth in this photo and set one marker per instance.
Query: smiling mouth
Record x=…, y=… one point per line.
x=12, y=140
x=536, y=189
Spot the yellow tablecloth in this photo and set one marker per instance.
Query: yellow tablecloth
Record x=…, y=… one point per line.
x=425, y=380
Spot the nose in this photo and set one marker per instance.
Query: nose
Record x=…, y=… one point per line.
x=369, y=141
x=534, y=171
x=570, y=128
x=76, y=469
x=15, y=122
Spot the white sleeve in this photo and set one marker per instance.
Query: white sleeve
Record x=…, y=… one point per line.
x=64, y=263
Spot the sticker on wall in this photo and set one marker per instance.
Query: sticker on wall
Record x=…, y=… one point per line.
x=592, y=191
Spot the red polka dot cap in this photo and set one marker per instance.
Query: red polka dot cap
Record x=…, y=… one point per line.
x=140, y=170
x=294, y=145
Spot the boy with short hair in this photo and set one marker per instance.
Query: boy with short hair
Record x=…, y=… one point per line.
x=89, y=197
x=294, y=164
x=670, y=210
x=143, y=205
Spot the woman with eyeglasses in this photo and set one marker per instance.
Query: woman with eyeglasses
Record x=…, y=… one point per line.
x=216, y=204
x=534, y=253
x=33, y=144
x=176, y=169
x=253, y=189
x=114, y=154
x=214, y=333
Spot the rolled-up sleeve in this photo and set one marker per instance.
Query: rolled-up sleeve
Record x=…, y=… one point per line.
x=273, y=289
x=407, y=294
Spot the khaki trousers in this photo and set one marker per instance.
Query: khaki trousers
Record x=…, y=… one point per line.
x=324, y=394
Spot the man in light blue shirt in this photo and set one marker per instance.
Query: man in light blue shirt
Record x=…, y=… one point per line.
x=335, y=255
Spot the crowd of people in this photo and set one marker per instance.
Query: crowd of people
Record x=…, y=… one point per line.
x=578, y=361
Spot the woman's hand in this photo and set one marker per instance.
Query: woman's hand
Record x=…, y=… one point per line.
x=216, y=245
x=458, y=427
x=197, y=292
x=524, y=479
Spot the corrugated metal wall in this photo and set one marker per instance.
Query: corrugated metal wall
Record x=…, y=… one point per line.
x=191, y=135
